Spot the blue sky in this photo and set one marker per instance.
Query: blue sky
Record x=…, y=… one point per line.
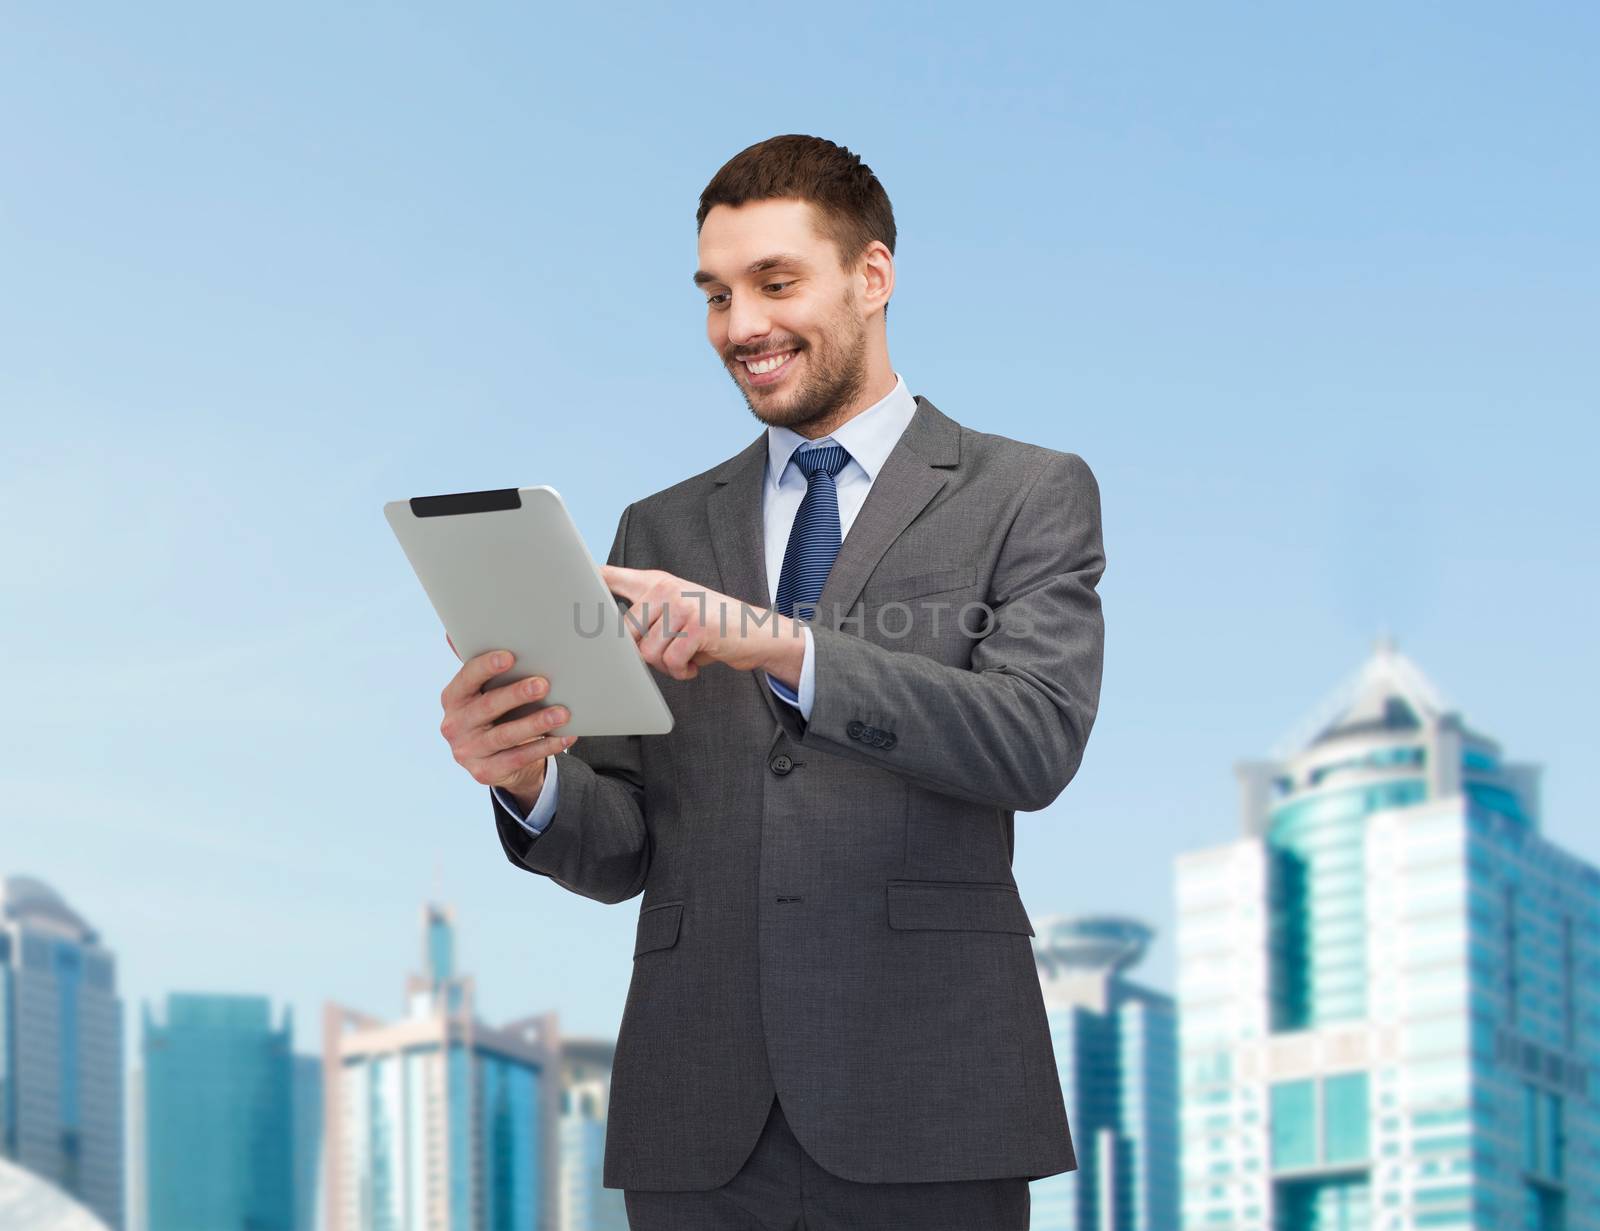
x=1313, y=291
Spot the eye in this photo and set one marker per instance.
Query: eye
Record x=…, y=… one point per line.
x=712, y=301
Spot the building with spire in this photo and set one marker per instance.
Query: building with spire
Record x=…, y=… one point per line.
x=1389, y=1016
x=437, y=1121
x=1116, y=1052
x=61, y=1113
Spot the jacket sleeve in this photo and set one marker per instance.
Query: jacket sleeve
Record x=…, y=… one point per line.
x=596, y=843
x=1010, y=730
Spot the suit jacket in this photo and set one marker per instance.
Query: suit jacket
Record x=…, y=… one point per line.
x=829, y=911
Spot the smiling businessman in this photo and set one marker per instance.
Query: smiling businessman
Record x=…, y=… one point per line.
x=879, y=634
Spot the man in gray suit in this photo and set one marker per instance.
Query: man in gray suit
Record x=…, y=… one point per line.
x=880, y=638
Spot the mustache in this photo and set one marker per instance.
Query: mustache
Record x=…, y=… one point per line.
x=779, y=350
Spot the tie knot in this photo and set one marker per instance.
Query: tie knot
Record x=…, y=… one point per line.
x=829, y=458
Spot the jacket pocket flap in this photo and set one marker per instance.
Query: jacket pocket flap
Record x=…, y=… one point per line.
x=910, y=585
x=964, y=906
x=658, y=927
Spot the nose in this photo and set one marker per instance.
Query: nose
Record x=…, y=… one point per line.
x=748, y=318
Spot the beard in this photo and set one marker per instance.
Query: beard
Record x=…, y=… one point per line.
x=834, y=376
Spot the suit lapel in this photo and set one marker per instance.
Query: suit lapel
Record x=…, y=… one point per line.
x=738, y=538
x=733, y=510
x=910, y=477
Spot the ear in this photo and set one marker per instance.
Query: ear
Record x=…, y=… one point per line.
x=876, y=273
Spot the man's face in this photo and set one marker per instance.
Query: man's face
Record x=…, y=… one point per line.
x=774, y=290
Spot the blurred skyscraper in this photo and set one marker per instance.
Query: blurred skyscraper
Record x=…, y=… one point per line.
x=1389, y=1012
x=438, y=1122
x=1116, y=1052
x=219, y=1125
x=307, y=1079
x=60, y=1048
x=586, y=1204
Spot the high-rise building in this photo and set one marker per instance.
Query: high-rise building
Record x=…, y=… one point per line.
x=436, y=1121
x=60, y=1048
x=585, y=1203
x=1389, y=1010
x=1115, y=1043
x=307, y=1081
x=218, y=1115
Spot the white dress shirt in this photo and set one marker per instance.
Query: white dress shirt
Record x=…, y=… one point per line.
x=869, y=438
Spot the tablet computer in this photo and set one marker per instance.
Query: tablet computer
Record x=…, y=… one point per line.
x=508, y=570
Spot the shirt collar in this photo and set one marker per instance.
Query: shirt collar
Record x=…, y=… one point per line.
x=869, y=437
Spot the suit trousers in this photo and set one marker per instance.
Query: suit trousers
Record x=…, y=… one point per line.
x=781, y=1188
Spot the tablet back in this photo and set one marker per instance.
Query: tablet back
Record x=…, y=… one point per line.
x=508, y=570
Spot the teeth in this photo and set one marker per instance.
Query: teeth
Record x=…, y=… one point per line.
x=767, y=365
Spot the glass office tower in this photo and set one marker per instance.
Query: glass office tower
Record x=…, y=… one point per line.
x=60, y=1048
x=586, y=1204
x=438, y=1122
x=307, y=1082
x=218, y=1115
x=1116, y=1051
x=1389, y=1017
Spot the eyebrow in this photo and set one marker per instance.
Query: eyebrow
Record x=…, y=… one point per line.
x=701, y=277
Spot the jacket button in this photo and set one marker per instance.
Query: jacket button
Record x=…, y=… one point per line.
x=889, y=740
x=854, y=729
x=782, y=764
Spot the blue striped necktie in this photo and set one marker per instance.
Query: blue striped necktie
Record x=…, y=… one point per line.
x=814, y=537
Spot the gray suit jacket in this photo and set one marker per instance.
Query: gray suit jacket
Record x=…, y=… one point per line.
x=829, y=911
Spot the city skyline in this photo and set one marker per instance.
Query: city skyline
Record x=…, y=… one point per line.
x=1330, y=1071
x=1306, y=288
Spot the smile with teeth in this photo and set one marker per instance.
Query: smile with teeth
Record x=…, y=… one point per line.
x=767, y=363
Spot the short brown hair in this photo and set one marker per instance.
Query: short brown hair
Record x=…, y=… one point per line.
x=851, y=206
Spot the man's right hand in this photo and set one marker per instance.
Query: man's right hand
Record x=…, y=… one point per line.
x=511, y=755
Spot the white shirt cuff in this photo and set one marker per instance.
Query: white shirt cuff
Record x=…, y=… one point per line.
x=802, y=698
x=543, y=808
